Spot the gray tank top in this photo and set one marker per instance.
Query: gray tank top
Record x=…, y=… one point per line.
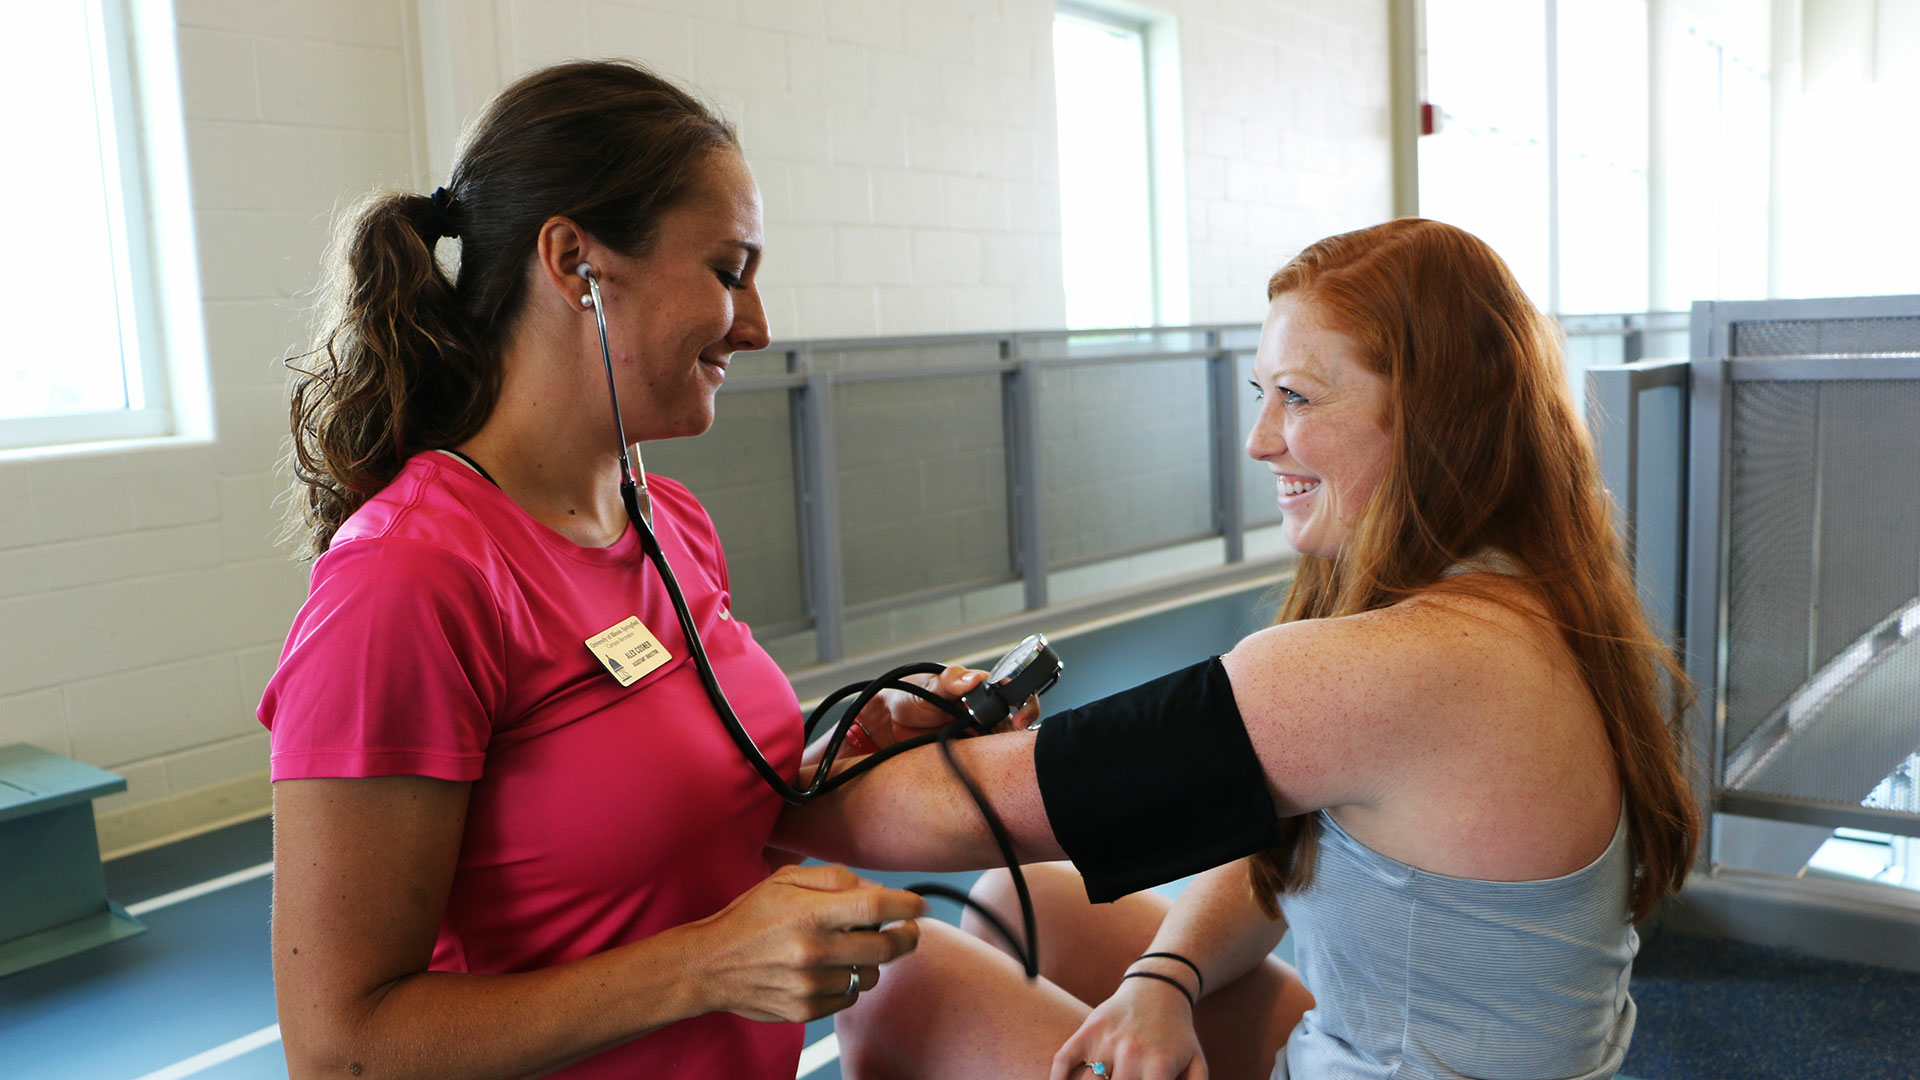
x=1419, y=975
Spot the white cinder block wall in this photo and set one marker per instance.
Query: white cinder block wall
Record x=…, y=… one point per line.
x=142, y=601
x=1288, y=137
x=906, y=153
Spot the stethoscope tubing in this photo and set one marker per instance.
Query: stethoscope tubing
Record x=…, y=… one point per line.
x=627, y=466
x=632, y=491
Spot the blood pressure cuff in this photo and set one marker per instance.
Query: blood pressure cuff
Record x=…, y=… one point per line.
x=1154, y=783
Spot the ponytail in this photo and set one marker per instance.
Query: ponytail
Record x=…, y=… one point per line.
x=395, y=374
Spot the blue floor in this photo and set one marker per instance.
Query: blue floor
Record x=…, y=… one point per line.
x=199, y=977
x=1711, y=1007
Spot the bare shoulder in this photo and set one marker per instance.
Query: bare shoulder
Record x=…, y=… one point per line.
x=1343, y=710
x=1501, y=627
x=1372, y=665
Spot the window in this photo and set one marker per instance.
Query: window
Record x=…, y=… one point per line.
x=1600, y=144
x=1718, y=110
x=1122, y=212
x=1846, y=172
x=84, y=356
x=1547, y=141
x=1485, y=169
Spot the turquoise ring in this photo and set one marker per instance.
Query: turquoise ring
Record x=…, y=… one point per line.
x=1099, y=1067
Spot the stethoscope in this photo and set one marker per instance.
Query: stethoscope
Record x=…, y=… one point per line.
x=1030, y=668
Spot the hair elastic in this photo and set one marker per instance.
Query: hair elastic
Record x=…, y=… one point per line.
x=1157, y=977
x=1199, y=980
x=443, y=224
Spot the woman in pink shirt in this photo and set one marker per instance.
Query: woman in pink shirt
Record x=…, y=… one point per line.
x=496, y=852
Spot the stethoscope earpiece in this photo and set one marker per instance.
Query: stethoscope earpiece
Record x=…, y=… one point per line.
x=641, y=508
x=591, y=300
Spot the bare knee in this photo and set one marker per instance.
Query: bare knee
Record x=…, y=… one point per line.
x=886, y=1033
x=861, y=1031
x=863, y=1028
x=1054, y=886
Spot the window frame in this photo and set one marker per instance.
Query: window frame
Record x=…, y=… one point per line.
x=1166, y=165
x=121, y=129
x=1654, y=171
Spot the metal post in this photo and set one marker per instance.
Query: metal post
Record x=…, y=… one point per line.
x=1229, y=515
x=1553, y=156
x=1020, y=389
x=1613, y=411
x=1708, y=409
x=1633, y=345
x=819, y=476
x=1406, y=61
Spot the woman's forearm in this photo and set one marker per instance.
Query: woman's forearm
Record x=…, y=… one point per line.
x=1216, y=924
x=444, y=1024
x=362, y=868
x=912, y=812
x=781, y=951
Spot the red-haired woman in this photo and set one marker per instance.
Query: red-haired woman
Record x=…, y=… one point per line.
x=1458, y=780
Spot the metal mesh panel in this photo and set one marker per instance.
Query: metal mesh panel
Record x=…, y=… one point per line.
x=923, y=484
x=742, y=471
x=1116, y=343
x=1900, y=790
x=1658, y=555
x=1870, y=509
x=1123, y=459
x=1770, y=551
x=769, y=361
x=903, y=357
x=1823, y=615
x=1841, y=735
x=1826, y=337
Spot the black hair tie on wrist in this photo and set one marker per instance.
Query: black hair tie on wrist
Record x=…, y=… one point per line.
x=1199, y=980
x=1175, y=983
x=443, y=224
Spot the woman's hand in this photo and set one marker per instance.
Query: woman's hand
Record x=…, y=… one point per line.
x=787, y=949
x=894, y=715
x=1143, y=1032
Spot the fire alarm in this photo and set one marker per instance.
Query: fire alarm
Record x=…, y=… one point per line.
x=1429, y=118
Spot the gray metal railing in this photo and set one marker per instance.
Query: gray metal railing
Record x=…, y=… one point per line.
x=1642, y=335
x=1016, y=389
x=1019, y=361
x=1757, y=487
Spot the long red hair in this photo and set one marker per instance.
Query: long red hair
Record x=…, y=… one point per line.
x=1488, y=453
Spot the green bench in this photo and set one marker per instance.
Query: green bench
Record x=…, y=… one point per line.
x=53, y=892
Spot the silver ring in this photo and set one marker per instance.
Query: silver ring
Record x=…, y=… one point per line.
x=853, y=984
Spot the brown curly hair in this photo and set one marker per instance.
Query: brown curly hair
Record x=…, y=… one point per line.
x=408, y=359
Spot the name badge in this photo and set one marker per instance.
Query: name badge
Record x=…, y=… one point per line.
x=628, y=650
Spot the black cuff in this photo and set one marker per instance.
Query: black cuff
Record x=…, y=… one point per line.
x=1154, y=783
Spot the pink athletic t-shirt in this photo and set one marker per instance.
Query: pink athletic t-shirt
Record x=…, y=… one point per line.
x=444, y=635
